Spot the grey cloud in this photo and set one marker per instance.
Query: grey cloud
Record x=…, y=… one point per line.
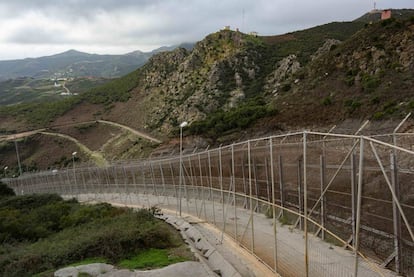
x=173, y=21
x=36, y=36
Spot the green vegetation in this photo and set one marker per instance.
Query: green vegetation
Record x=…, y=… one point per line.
x=352, y=105
x=116, y=91
x=39, y=233
x=151, y=258
x=81, y=85
x=327, y=101
x=388, y=109
x=370, y=82
x=24, y=90
x=5, y=191
x=305, y=43
x=40, y=114
x=239, y=117
x=30, y=90
x=350, y=77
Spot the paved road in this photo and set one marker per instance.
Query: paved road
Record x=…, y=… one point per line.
x=324, y=259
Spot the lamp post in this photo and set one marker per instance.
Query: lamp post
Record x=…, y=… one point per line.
x=182, y=125
x=73, y=162
x=5, y=171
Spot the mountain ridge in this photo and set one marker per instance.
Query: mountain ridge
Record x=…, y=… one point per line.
x=74, y=63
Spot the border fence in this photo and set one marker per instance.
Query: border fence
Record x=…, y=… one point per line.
x=286, y=199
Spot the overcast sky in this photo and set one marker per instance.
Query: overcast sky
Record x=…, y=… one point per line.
x=32, y=28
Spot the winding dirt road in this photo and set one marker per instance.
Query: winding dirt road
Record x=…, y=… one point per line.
x=33, y=132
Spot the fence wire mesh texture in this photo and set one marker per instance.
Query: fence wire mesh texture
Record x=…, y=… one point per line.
x=305, y=204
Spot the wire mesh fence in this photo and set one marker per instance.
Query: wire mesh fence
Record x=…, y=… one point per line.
x=305, y=204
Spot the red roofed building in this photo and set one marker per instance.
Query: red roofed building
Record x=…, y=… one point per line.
x=386, y=14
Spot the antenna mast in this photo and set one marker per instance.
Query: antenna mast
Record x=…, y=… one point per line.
x=243, y=30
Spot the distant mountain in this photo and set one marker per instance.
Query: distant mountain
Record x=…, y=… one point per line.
x=73, y=63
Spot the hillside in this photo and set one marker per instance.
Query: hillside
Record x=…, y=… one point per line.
x=233, y=85
x=369, y=76
x=31, y=90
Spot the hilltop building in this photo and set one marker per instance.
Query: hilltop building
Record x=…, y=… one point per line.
x=386, y=14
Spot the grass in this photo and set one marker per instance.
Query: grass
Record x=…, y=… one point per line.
x=151, y=258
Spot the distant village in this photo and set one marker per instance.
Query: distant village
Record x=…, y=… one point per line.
x=60, y=80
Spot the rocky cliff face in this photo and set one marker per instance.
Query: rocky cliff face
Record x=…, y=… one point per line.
x=185, y=86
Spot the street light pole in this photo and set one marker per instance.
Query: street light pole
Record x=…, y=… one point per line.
x=5, y=171
x=182, y=125
x=73, y=162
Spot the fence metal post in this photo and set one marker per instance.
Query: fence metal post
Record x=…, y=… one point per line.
x=300, y=202
x=323, y=199
x=203, y=205
x=354, y=190
x=396, y=214
x=211, y=187
x=233, y=177
x=305, y=204
x=221, y=192
x=359, y=196
x=272, y=181
x=173, y=183
x=194, y=183
x=281, y=187
x=250, y=191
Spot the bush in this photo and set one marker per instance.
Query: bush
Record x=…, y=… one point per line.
x=236, y=118
x=5, y=191
x=286, y=87
x=89, y=231
x=370, y=82
x=327, y=101
x=352, y=105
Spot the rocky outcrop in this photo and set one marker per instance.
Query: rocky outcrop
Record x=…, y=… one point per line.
x=325, y=48
x=283, y=71
x=95, y=269
x=187, y=86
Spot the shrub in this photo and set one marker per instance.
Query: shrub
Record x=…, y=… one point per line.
x=352, y=105
x=370, y=82
x=286, y=87
x=327, y=101
x=349, y=81
x=90, y=231
x=236, y=118
x=5, y=191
